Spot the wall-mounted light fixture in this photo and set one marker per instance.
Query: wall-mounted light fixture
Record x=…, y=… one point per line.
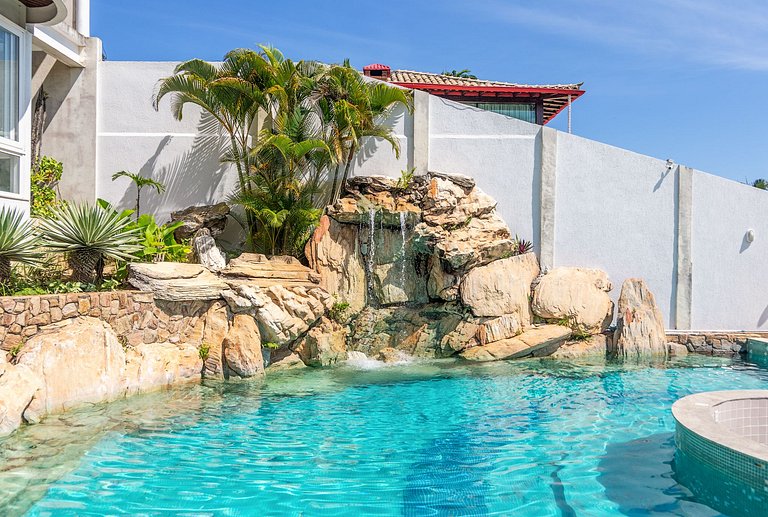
x=670, y=164
x=750, y=236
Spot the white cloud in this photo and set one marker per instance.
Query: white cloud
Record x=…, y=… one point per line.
x=717, y=33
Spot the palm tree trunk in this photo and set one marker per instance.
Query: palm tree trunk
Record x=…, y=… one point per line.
x=83, y=264
x=332, y=196
x=350, y=157
x=138, y=202
x=5, y=269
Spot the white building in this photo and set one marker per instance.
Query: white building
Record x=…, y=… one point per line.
x=37, y=38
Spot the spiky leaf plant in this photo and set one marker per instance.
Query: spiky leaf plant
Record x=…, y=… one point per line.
x=18, y=242
x=88, y=234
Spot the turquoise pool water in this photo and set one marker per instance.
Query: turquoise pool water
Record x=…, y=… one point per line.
x=534, y=438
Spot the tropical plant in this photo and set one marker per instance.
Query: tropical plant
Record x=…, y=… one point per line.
x=760, y=183
x=157, y=242
x=405, y=179
x=46, y=175
x=141, y=182
x=465, y=73
x=355, y=109
x=520, y=246
x=89, y=235
x=18, y=242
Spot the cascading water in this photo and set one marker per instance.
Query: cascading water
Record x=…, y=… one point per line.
x=371, y=247
x=402, y=251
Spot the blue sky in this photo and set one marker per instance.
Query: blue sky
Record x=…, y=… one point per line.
x=680, y=79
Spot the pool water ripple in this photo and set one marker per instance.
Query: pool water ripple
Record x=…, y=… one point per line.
x=537, y=437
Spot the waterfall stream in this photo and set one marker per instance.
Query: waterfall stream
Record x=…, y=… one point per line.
x=402, y=251
x=371, y=247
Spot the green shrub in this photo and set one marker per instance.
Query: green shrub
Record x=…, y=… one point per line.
x=270, y=345
x=89, y=235
x=158, y=243
x=46, y=175
x=18, y=242
x=203, y=351
x=338, y=311
x=405, y=179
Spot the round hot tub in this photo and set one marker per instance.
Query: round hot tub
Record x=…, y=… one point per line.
x=724, y=432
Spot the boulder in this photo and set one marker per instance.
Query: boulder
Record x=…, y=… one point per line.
x=206, y=252
x=334, y=253
x=155, y=366
x=501, y=287
x=392, y=356
x=324, y=345
x=211, y=217
x=448, y=202
x=214, y=332
x=575, y=294
x=283, y=314
x=441, y=284
x=263, y=271
x=285, y=361
x=242, y=347
x=82, y=361
x=496, y=329
x=640, y=324
x=527, y=343
x=596, y=346
x=174, y=281
x=18, y=386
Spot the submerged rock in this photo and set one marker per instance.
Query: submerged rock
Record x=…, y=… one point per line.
x=527, y=343
x=18, y=386
x=640, y=325
x=596, y=346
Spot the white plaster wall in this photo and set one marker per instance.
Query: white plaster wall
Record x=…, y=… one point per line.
x=501, y=153
x=616, y=210
x=377, y=158
x=730, y=283
x=132, y=136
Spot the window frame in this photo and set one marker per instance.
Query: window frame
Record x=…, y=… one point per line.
x=20, y=148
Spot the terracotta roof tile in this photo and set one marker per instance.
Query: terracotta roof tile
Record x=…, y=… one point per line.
x=411, y=77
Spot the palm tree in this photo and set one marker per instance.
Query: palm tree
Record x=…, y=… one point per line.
x=465, y=73
x=760, y=183
x=356, y=109
x=140, y=182
x=18, y=242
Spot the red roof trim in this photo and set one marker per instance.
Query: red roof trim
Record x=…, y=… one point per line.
x=376, y=66
x=491, y=89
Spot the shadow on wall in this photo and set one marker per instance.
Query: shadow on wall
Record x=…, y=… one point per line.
x=196, y=176
x=371, y=145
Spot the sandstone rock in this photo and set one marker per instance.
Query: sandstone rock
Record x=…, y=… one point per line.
x=677, y=349
x=496, y=329
x=206, y=252
x=211, y=217
x=395, y=277
x=596, y=346
x=324, y=345
x=449, y=203
x=76, y=363
x=18, y=385
x=441, y=284
x=392, y=356
x=501, y=287
x=176, y=282
x=334, y=253
x=576, y=294
x=283, y=314
x=158, y=365
x=287, y=361
x=464, y=336
x=214, y=332
x=544, y=336
x=242, y=347
x=640, y=324
x=260, y=270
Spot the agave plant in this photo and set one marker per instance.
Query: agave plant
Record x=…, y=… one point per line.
x=18, y=242
x=89, y=234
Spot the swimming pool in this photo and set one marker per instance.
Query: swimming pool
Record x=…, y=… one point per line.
x=538, y=437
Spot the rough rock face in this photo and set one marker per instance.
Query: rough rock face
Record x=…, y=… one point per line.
x=501, y=287
x=334, y=252
x=206, y=252
x=285, y=360
x=18, y=385
x=527, y=343
x=211, y=217
x=242, y=347
x=158, y=365
x=215, y=330
x=576, y=294
x=76, y=363
x=596, y=346
x=640, y=324
x=324, y=345
x=176, y=282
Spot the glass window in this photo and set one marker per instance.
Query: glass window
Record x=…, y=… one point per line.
x=526, y=112
x=9, y=85
x=9, y=173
